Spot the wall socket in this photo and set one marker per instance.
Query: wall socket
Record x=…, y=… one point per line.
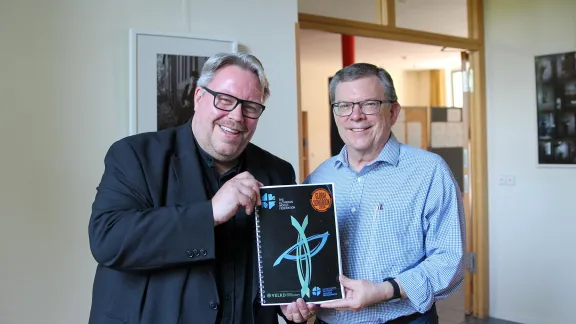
x=506, y=180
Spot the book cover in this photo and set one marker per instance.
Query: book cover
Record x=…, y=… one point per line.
x=298, y=244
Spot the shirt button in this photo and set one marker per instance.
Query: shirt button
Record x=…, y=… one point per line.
x=353, y=209
x=213, y=305
x=359, y=179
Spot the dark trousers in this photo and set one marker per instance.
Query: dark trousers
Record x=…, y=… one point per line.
x=429, y=317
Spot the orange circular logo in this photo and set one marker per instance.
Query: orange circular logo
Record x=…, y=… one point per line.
x=321, y=200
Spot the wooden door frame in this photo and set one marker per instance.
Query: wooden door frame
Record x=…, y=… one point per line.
x=478, y=184
x=301, y=174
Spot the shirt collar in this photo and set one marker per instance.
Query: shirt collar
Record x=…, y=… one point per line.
x=390, y=154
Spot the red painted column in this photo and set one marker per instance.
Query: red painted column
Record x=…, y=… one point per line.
x=347, y=50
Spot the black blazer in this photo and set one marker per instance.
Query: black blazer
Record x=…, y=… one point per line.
x=152, y=228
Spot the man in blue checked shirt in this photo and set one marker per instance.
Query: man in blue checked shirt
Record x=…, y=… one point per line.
x=399, y=209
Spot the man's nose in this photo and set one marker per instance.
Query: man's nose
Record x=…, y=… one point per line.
x=236, y=114
x=356, y=112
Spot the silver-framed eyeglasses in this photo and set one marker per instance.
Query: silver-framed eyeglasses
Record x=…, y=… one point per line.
x=367, y=107
x=226, y=102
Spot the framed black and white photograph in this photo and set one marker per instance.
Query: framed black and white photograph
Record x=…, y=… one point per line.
x=164, y=69
x=556, y=109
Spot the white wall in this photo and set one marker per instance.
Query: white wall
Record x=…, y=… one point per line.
x=532, y=224
x=314, y=77
x=64, y=96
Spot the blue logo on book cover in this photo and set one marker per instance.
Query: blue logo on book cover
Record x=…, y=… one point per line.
x=316, y=291
x=303, y=255
x=268, y=201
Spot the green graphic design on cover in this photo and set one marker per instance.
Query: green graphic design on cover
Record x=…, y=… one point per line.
x=298, y=244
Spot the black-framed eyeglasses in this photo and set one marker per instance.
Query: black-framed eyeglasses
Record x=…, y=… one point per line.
x=226, y=102
x=367, y=107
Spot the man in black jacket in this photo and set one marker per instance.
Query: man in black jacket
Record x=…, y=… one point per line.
x=172, y=225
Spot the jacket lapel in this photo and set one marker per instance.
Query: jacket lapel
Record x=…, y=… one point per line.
x=187, y=169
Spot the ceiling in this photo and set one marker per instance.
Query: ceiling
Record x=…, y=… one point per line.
x=319, y=46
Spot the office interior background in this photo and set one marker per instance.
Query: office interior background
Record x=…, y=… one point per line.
x=64, y=88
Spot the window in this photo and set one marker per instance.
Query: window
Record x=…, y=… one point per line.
x=457, y=92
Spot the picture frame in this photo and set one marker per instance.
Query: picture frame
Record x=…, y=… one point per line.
x=163, y=68
x=555, y=76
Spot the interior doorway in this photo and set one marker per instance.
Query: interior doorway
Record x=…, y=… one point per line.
x=428, y=81
x=425, y=76
x=468, y=46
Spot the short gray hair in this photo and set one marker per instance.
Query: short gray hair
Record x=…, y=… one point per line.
x=362, y=70
x=243, y=60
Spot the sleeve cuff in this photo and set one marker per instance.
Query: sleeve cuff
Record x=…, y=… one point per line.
x=200, y=240
x=417, y=290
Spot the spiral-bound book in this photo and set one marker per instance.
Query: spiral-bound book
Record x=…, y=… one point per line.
x=298, y=244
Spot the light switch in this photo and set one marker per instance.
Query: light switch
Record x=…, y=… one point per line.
x=510, y=180
x=506, y=180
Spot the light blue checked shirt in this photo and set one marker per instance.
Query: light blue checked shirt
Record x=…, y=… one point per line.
x=400, y=217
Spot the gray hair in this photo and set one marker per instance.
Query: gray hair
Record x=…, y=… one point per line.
x=362, y=70
x=243, y=60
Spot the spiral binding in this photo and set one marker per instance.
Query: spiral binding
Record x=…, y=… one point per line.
x=258, y=247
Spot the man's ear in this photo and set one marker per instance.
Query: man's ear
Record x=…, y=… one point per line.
x=197, y=96
x=394, y=112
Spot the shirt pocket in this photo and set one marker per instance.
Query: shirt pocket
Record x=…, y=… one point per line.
x=396, y=238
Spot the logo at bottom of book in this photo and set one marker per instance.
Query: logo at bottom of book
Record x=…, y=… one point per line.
x=316, y=291
x=283, y=294
x=326, y=292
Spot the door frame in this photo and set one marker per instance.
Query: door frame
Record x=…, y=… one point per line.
x=477, y=281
